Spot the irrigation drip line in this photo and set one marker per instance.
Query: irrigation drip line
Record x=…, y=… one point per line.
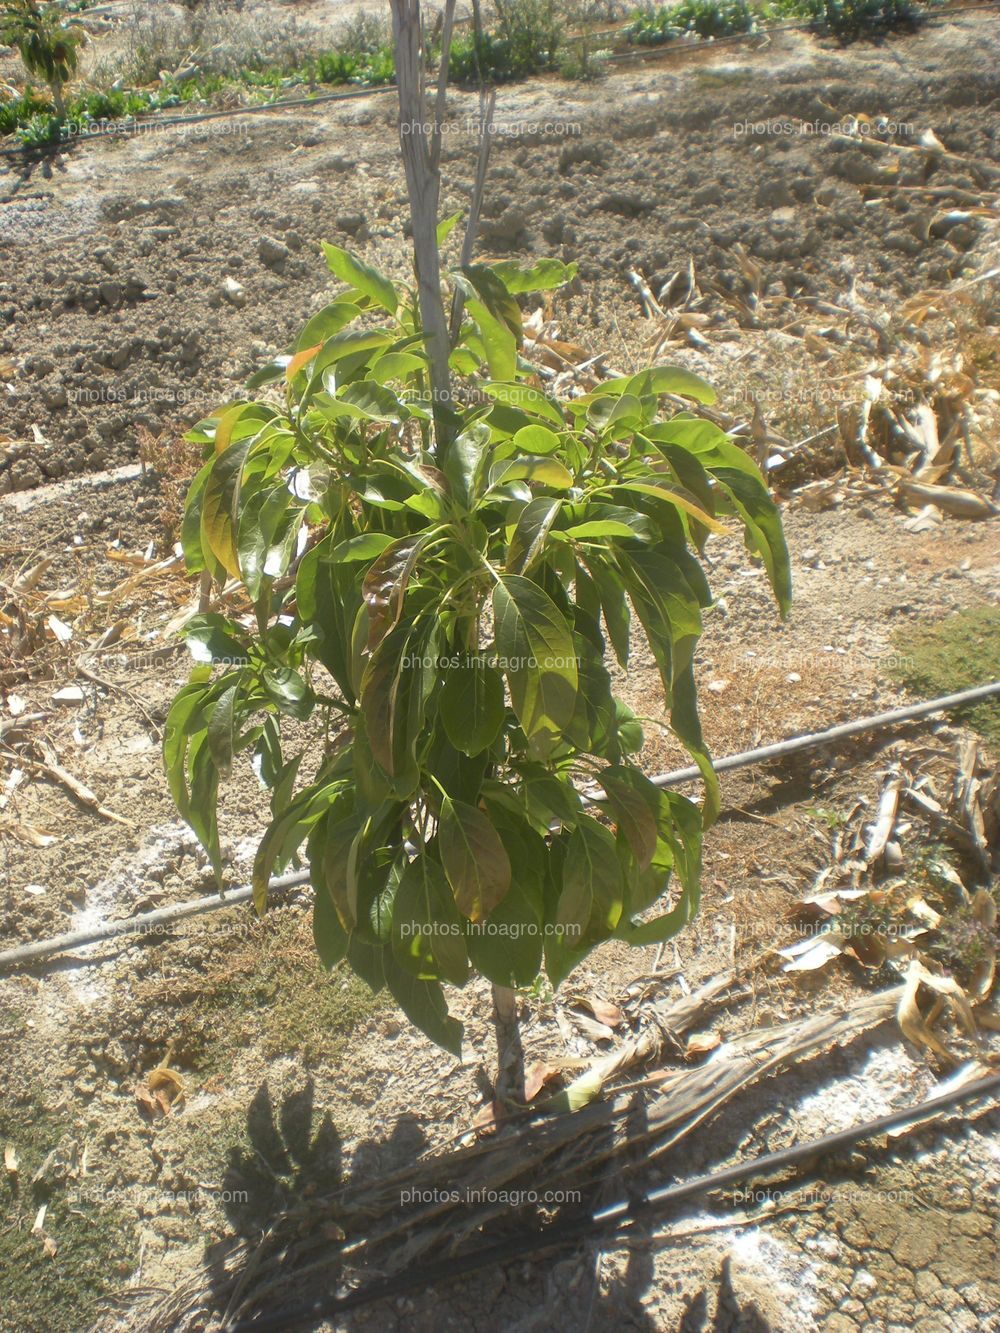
x=147, y=923
x=130, y=127
x=607, y=1222
x=840, y=732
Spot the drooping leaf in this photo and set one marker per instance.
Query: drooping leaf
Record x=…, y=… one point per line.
x=218, y=518
x=394, y=691
x=471, y=704
x=635, y=805
x=465, y=463
x=220, y=730
x=474, y=859
x=592, y=897
x=287, y=831
x=506, y=946
x=428, y=933
x=384, y=586
x=538, y=658
x=424, y=1004
x=329, y=936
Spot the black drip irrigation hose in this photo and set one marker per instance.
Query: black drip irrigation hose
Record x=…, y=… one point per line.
x=607, y=1223
x=129, y=127
x=149, y=923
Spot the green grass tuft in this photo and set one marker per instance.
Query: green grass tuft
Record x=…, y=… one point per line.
x=95, y=1248
x=953, y=654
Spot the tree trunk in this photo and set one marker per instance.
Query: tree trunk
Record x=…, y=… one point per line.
x=509, y=1086
x=420, y=143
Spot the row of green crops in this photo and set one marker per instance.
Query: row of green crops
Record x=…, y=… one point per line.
x=651, y=26
x=31, y=116
x=528, y=48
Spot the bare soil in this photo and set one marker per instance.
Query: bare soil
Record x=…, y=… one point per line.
x=114, y=322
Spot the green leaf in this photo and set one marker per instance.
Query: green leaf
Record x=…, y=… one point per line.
x=546, y=470
x=366, y=546
x=212, y=638
x=671, y=379
x=465, y=463
x=286, y=688
x=528, y=539
x=424, y=1004
x=536, y=645
x=592, y=897
x=536, y=440
x=606, y=527
x=356, y=273
x=446, y=226
x=372, y=401
x=428, y=933
x=543, y=276
x=394, y=690
x=527, y=399
x=471, y=705
x=325, y=323
x=330, y=937
x=630, y=736
x=507, y=945
x=474, y=859
x=397, y=366
x=635, y=805
x=220, y=730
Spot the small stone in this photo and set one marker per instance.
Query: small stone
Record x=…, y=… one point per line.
x=54, y=396
x=234, y=293
x=708, y=194
x=69, y=695
x=111, y=293
x=774, y=194
x=271, y=252
x=352, y=223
